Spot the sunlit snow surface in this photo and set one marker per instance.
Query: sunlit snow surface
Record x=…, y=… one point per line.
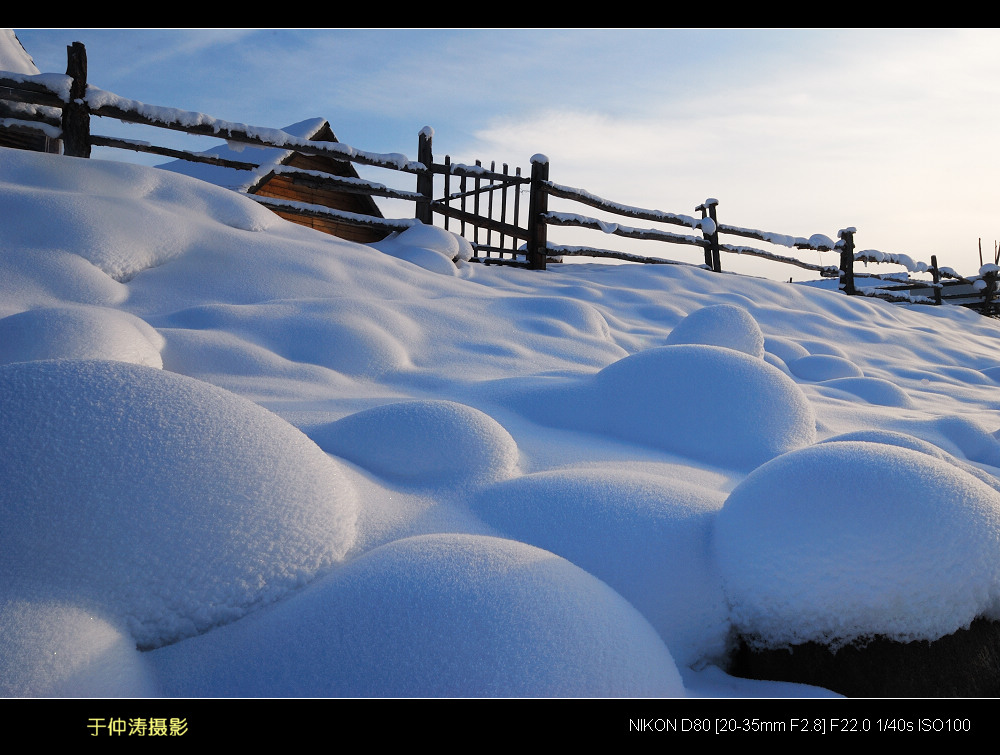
x=278, y=463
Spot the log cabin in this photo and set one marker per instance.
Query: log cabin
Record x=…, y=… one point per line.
x=266, y=182
x=14, y=58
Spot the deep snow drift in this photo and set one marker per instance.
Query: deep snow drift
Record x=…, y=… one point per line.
x=242, y=458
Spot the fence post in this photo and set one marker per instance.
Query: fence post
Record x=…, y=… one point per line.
x=936, y=273
x=425, y=181
x=75, y=115
x=538, y=204
x=846, y=245
x=990, y=292
x=712, y=257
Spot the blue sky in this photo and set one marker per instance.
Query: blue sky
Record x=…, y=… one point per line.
x=793, y=131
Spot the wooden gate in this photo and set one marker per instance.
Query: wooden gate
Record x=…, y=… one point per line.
x=485, y=206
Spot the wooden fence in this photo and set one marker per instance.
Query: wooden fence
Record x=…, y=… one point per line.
x=483, y=205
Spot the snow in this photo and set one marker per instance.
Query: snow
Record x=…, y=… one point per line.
x=721, y=325
x=98, y=98
x=245, y=459
x=873, y=255
x=909, y=563
x=823, y=367
x=443, y=615
x=268, y=158
x=17, y=64
x=146, y=467
x=383, y=439
x=13, y=56
x=428, y=247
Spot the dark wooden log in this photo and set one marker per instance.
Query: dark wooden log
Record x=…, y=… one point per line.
x=488, y=223
x=235, y=132
x=825, y=271
x=589, y=251
x=538, y=205
x=517, y=207
x=503, y=206
x=349, y=185
x=425, y=180
x=937, y=279
x=990, y=292
x=348, y=218
x=648, y=234
x=463, y=194
x=489, y=205
x=13, y=91
x=713, y=237
x=847, y=262
x=447, y=186
x=76, y=115
x=583, y=197
x=477, y=182
x=712, y=259
x=29, y=91
x=457, y=169
x=109, y=141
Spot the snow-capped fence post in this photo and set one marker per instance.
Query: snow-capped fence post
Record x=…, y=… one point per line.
x=425, y=180
x=713, y=258
x=75, y=114
x=846, y=245
x=476, y=185
x=936, y=275
x=538, y=205
x=990, y=275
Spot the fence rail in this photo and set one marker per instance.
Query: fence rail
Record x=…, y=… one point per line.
x=486, y=203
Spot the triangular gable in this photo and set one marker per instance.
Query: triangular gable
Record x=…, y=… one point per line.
x=264, y=181
x=13, y=56
x=245, y=180
x=15, y=59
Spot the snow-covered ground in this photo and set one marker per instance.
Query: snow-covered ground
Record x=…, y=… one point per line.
x=241, y=458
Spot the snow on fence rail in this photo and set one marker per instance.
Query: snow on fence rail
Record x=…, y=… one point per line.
x=486, y=203
x=707, y=224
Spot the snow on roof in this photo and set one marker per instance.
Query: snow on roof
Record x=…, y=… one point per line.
x=18, y=65
x=242, y=180
x=13, y=56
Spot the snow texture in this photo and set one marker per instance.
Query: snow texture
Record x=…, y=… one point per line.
x=913, y=561
x=446, y=615
x=721, y=325
x=200, y=503
x=283, y=464
x=423, y=443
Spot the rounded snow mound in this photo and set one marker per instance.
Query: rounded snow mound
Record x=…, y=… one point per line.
x=872, y=390
x=50, y=649
x=892, y=438
x=848, y=540
x=122, y=218
x=720, y=325
x=784, y=348
x=79, y=333
x=426, y=443
x=169, y=503
x=820, y=367
x=705, y=402
x=445, y=615
x=648, y=537
x=428, y=246
x=362, y=339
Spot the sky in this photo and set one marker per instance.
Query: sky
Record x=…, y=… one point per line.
x=794, y=131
